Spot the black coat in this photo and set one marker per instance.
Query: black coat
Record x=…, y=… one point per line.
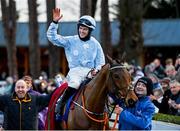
x=22, y=114
x=176, y=98
x=163, y=106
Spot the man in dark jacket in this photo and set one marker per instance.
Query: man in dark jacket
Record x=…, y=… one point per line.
x=41, y=115
x=21, y=108
x=163, y=105
x=174, y=101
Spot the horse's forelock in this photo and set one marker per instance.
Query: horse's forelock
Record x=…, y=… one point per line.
x=125, y=78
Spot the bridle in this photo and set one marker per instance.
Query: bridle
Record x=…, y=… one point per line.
x=115, y=91
x=116, y=67
x=115, y=88
x=89, y=113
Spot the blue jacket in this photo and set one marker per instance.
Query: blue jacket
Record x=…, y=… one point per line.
x=138, y=117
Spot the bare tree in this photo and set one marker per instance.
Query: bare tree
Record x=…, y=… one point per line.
x=85, y=7
x=177, y=8
x=93, y=7
x=54, y=54
x=88, y=7
x=9, y=24
x=34, y=50
x=105, y=28
x=130, y=17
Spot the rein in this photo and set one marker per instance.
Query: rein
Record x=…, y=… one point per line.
x=105, y=114
x=105, y=120
x=90, y=112
x=96, y=120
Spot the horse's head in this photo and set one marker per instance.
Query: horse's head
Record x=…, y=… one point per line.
x=120, y=82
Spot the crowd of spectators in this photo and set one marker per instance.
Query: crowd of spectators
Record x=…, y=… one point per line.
x=40, y=86
x=166, y=83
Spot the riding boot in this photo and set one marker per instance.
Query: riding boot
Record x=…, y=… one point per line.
x=62, y=101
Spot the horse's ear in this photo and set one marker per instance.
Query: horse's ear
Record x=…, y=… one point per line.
x=109, y=59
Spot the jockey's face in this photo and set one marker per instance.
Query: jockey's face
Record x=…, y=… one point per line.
x=21, y=88
x=83, y=31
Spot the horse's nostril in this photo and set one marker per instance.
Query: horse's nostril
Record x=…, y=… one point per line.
x=131, y=102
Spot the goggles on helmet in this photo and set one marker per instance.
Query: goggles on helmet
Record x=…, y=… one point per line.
x=85, y=22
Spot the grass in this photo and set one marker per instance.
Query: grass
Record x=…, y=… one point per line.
x=167, y=118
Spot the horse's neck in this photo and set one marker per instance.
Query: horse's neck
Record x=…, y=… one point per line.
x=96, y=91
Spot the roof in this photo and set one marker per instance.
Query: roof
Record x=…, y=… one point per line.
x=161, y=32
x=155, y=32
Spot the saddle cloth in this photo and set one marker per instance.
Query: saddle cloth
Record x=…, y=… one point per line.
x=50, y=121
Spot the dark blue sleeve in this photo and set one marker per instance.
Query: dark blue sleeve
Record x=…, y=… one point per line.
x=43, y=100
x=120, y=102
x=3, y=102
x=140, y=120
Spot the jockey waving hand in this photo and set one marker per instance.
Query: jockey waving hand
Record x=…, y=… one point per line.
x=83, y=52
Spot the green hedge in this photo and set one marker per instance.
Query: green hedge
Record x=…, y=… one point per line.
x=167, y=118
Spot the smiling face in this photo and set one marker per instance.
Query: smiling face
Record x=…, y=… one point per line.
x=83, y=31
x=140, y=89
x=174, y=87
x=21, y=88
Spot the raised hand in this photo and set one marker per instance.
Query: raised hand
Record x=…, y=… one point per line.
x=57, y=14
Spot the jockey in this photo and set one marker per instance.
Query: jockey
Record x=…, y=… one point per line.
x=83, y=53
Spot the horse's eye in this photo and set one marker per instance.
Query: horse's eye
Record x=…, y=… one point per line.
x=116, y=76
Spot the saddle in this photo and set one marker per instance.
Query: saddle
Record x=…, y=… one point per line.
x=69, y=105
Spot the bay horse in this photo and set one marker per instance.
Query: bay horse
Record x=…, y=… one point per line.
x=88, y=112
